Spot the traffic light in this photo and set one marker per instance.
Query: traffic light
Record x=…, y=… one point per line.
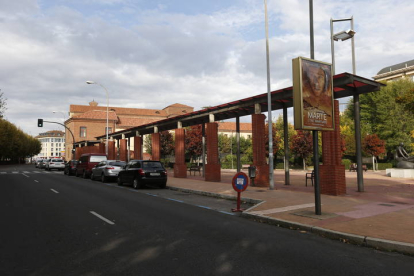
x=40, y=122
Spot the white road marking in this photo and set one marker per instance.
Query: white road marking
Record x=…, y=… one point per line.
x=54, y=191
x=15, y=172
x=36, y=181
x=101, y=217
x=3, y=172
x=25, y=175
x=283, y=209
x=36, y=171
x=26, y=172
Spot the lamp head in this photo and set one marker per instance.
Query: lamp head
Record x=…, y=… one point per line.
x=90, y=82
x=344, y=35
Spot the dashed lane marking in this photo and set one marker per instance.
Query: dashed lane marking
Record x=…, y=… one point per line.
x=102, y=218
x=54, y=191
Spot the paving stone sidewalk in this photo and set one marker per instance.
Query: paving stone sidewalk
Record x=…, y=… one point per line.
x=381, y=217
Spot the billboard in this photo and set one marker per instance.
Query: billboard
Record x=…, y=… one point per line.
x=312, y=94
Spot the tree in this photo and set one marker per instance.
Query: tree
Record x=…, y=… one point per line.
x=275, y=140
x=193, y=141
x=388, y=113
x=374, y=146
x=167, y=143
x=301, y=145
x=148, y=143
x=280, y=129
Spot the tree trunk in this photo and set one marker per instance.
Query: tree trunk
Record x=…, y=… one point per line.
x=304, y=164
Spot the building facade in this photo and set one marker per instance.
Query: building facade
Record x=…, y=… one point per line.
x=53, y=144
x=397, y=71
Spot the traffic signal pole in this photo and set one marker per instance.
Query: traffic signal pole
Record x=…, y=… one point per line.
x=40, y=124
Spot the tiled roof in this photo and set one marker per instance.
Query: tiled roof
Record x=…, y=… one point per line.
x=178, y=105
x=231, y=126
x=97, y=114
x=131, y=122
x=119, y=110
x=51, y=133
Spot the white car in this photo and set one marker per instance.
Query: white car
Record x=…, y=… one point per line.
x=57, y=164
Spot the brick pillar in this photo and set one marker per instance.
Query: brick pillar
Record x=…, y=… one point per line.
x=111, y=150
x=259, y=150
x=213, y=169
x=180, y=168
x=332, y=172
x=138, y=147
x=101, y=147
x=78, y=153
x=123, y=150
x=156, y=147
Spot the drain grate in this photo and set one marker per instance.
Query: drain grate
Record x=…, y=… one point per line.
x=384, y=204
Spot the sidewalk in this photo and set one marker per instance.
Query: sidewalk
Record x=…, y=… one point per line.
x=381, y=217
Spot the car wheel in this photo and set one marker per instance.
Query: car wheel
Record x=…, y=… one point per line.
x=137, y=184
x=103, y=179
x=118, y=181
x=84, y=174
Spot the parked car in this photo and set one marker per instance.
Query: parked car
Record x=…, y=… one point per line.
x=142, y=172
x=37, y=162
x=87, y=161
x=106, y=170
x=43, y=163
x=55, y=164
x=70, y=167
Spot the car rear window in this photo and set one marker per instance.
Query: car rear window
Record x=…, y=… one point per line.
x=97, y=158
x=58, y=160
x=152, y=165
x=118, y=164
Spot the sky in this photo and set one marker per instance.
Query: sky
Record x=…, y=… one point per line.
x=150, y=54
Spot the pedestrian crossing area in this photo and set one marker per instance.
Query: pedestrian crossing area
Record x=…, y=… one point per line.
x=32, y=172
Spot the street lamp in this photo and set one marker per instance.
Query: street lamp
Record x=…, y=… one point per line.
x=107, y=112
x=345, y=35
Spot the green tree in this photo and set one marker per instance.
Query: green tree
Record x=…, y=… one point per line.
x=280, y=129
x=301, y=145
x=387, y=113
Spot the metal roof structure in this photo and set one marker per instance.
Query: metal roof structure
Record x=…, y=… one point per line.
x=345, y=85
x=396, y=67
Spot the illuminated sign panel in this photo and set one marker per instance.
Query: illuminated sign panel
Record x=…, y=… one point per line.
x=312, y=94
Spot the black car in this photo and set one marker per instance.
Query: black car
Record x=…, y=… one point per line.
x=70, y=167
x=142, y=172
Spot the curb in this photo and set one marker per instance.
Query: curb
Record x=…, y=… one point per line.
x=379, y=244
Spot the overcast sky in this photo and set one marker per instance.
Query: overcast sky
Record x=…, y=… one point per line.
x=150, y=54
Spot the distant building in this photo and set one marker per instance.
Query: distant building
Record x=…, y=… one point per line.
x=89, y=121
x=53, y=144
x=397, y=71
x=229, y=129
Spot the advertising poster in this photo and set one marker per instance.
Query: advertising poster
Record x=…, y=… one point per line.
x=312, y=94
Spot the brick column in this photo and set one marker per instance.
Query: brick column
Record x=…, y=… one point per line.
x=259, y=150
x=123, y=150
x=138, y=147
x=111, y=150
x=180, y=168
x=78, y=153
x=332, y=172
x=101, y=147
x=156, y=147
x=213, y=169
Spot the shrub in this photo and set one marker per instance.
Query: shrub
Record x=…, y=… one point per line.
x=347, y=163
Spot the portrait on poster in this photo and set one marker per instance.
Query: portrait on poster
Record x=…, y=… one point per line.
x=313, y=94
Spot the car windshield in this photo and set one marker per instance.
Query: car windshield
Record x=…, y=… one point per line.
x=118, y=164
x=98, y=158
x=151, y=165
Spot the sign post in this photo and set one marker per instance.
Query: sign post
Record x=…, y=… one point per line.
x=240, y=183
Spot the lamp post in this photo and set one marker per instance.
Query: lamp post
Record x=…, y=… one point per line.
x=107, y=113
x=345, y=35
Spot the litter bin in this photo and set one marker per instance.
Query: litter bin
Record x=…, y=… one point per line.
x=252, y=174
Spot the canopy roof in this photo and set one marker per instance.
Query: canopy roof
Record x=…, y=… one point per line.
x=345, y=85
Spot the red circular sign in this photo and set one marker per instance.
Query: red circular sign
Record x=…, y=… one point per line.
x=240, y=182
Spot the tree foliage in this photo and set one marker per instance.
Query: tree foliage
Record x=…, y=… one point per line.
x=15, y=144
x=167, y=143
x=275, y=140
x=193, y=140
x=301, y=145
x=372, y=145
x=389, y=113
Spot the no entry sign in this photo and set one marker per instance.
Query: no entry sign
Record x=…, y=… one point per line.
x=240, y=182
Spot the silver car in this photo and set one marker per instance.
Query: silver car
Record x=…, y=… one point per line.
x=106, y=170
x=43, y=163
x=55, y=164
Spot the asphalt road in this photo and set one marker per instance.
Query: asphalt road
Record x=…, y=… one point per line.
x=53, y=224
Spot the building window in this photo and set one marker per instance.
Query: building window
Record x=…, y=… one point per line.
x=109, y=130
x=82, y=131
x=51, y=144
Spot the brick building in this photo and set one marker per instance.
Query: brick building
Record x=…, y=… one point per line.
x=89, y=121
